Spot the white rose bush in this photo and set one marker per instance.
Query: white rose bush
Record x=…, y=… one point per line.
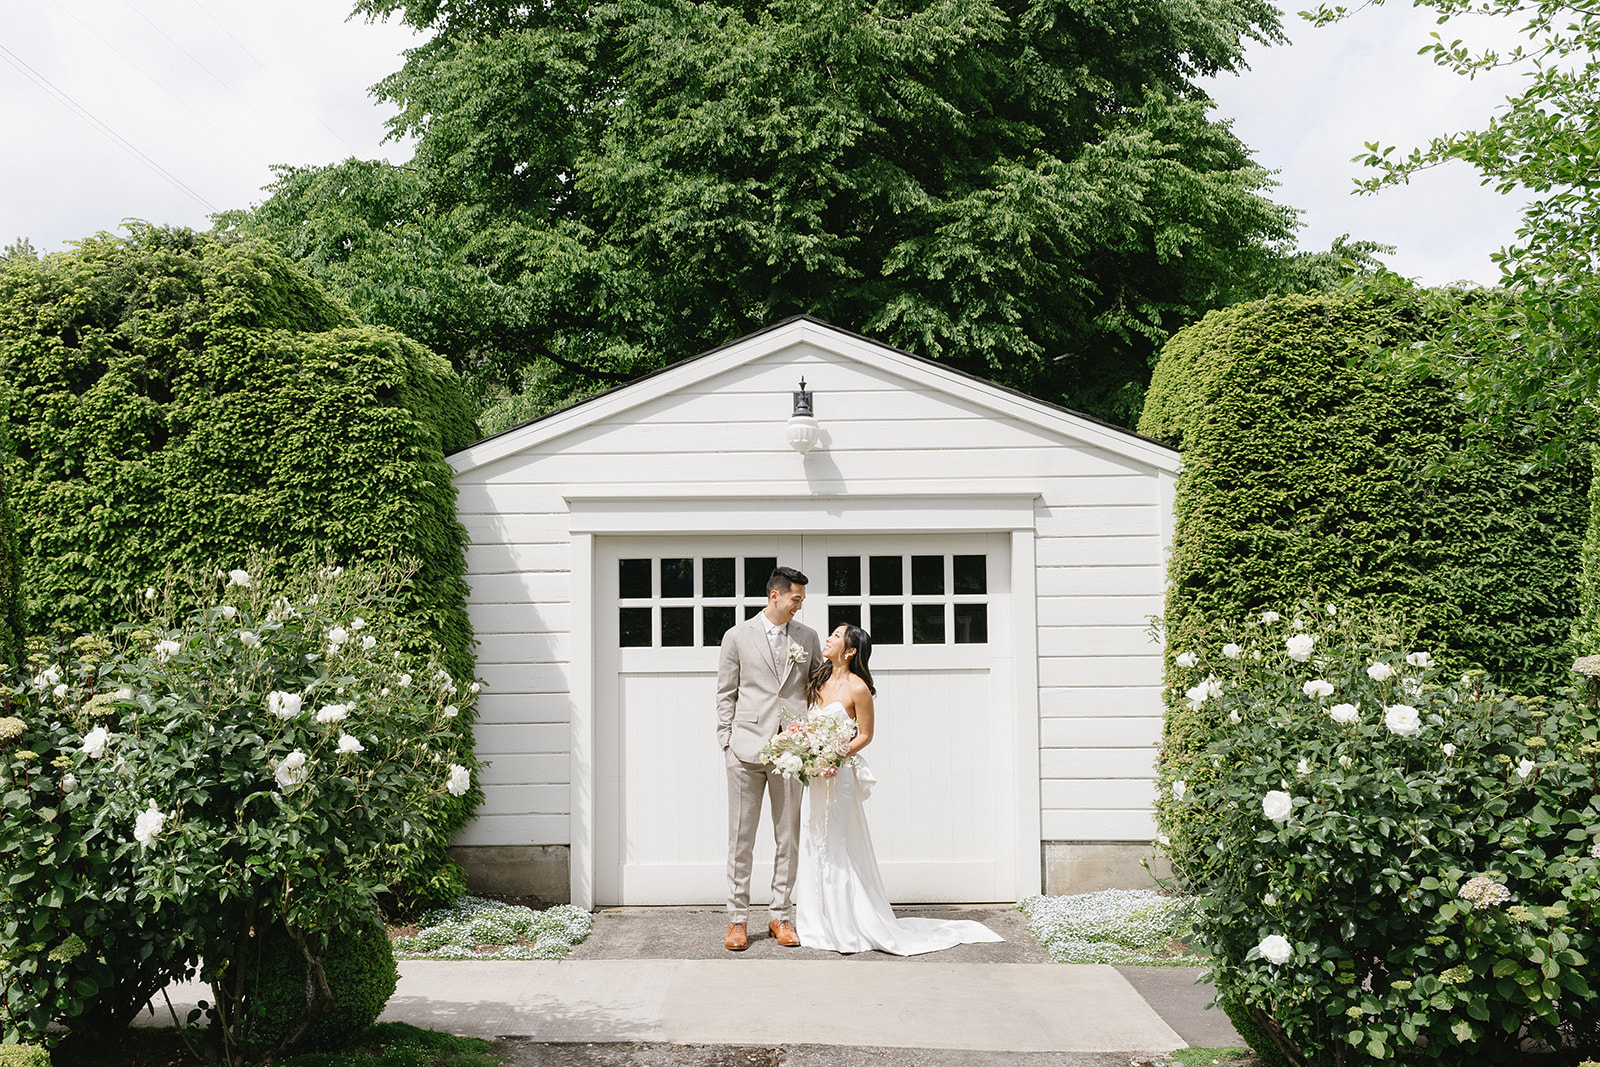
x=230, y=772
x=1390, y=861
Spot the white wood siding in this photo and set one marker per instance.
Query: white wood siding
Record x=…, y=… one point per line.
x=1100, y=529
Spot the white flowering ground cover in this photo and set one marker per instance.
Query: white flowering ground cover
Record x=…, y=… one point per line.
x=1118, y=926
x=478, y=929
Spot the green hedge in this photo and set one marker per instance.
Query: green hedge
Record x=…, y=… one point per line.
x=179, y=401
x=12, y=635
x=1315, y=468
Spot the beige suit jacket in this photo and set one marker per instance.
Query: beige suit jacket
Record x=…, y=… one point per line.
x=751, y=690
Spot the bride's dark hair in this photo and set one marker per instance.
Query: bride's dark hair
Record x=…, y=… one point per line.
x=854, y=637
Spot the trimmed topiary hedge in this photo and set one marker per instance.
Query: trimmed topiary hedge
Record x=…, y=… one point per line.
x=1312, y=467
x=176, y=400
x=361, y=971
x=12, y=635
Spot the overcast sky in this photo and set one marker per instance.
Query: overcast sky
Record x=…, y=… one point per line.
x=168, y=110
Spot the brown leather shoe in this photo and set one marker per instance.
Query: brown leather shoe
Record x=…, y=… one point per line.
x=737, y=940
x=784, y=933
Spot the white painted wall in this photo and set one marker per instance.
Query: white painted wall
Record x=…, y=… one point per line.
x=892, y=427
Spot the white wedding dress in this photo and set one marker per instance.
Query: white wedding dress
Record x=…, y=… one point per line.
x=840, y=902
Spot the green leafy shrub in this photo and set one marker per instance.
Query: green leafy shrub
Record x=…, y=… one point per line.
x=12, y=635
x=24, y=1056
x=1311, y=465
x=1391, y=860
x=175, y=399
x=360, y=970
x=275, y=757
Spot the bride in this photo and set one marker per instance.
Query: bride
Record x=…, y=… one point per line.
x=840, y=900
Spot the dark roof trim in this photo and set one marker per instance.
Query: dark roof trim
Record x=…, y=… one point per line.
x=837, y=329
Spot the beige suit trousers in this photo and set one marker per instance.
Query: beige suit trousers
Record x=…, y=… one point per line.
x=747, y=784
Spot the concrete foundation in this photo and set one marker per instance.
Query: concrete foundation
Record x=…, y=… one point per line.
x=1090, y=866
x=538, y=871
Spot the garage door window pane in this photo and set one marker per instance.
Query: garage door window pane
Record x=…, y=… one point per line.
x=716, y=577
x=716, y=622
x=972, y=624
x=888, y=624
x=972, y=575
x=927, y=576
x=757, y=569
x=886, y=578
x=842, y=613
x=844, y=575
x=753, y=610
x=927, y=624
x=633, y=579
x=633, y=625
x=677, y=627
x=677, y=579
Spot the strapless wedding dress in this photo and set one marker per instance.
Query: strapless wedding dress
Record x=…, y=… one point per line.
x=840, y=901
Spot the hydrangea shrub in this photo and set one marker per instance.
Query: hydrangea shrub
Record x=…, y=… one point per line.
x=1391, y=859
x=277, y=757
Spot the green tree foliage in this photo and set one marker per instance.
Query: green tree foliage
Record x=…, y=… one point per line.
x=1032, y=191
x=1534, y=362
x=1310, y=467
x=176, y=400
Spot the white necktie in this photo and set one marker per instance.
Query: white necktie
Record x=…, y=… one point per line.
x=777, y=636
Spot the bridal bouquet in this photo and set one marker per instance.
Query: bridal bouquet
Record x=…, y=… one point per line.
x=807, y=747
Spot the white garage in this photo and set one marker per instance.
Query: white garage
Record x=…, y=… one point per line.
x=1005, y=555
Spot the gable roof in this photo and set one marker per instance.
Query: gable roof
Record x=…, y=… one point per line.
x=800, y=329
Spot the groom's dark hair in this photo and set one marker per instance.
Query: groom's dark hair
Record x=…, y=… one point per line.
x=783, y=577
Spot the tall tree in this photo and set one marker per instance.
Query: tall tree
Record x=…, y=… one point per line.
x=1537, y=368
x=1030, y=189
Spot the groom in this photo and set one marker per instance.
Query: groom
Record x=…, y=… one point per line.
x=763, y=667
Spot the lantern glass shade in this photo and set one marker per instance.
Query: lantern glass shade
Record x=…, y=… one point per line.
x=803, y=433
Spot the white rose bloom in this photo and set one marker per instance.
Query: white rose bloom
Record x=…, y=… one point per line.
x=1186, y=659
x=1344, y=714
x=474, y=688
x=249, y=639
x=461, y=780
x=1299, y=647
x=1270, y=617
x=338, y=636
x=1163, y=840
x=1179, y=788
x=1380, y=672
x=349, y=745
x=1345, y=761
x=239, y=577
x=788, y=764
x=148, y=824
x=1402, y=719
x=1525, y=768
x=1197, y=696
x=1411, y=687
x=165, y=650
x=358, y=623
x=368, y=642
x=333, y=713
x=1303, y=767
x=1317, y=688
x=125, y=693
x=94, y=742
x=1274, y=948
x=1233, y=716
x=1269, y=899
x=1231, y=650
x=1419, y=659
x=1449, y=749
x=69, y=782
x=59, y=691
x=284, y=705
x=292, y=771
x=150, y=593
x=451, y=711
x=1333, y=609
x=405, y=680
x=227, y=611
x=1277, y=806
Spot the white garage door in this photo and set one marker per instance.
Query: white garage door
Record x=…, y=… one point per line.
x=937, y=608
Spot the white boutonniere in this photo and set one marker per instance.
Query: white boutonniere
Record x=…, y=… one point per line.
x=798, y=655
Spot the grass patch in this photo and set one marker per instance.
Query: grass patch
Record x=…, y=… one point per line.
x=1117, y=926
x=384, y=1045
x=478, y=929
x=1200, y=1057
